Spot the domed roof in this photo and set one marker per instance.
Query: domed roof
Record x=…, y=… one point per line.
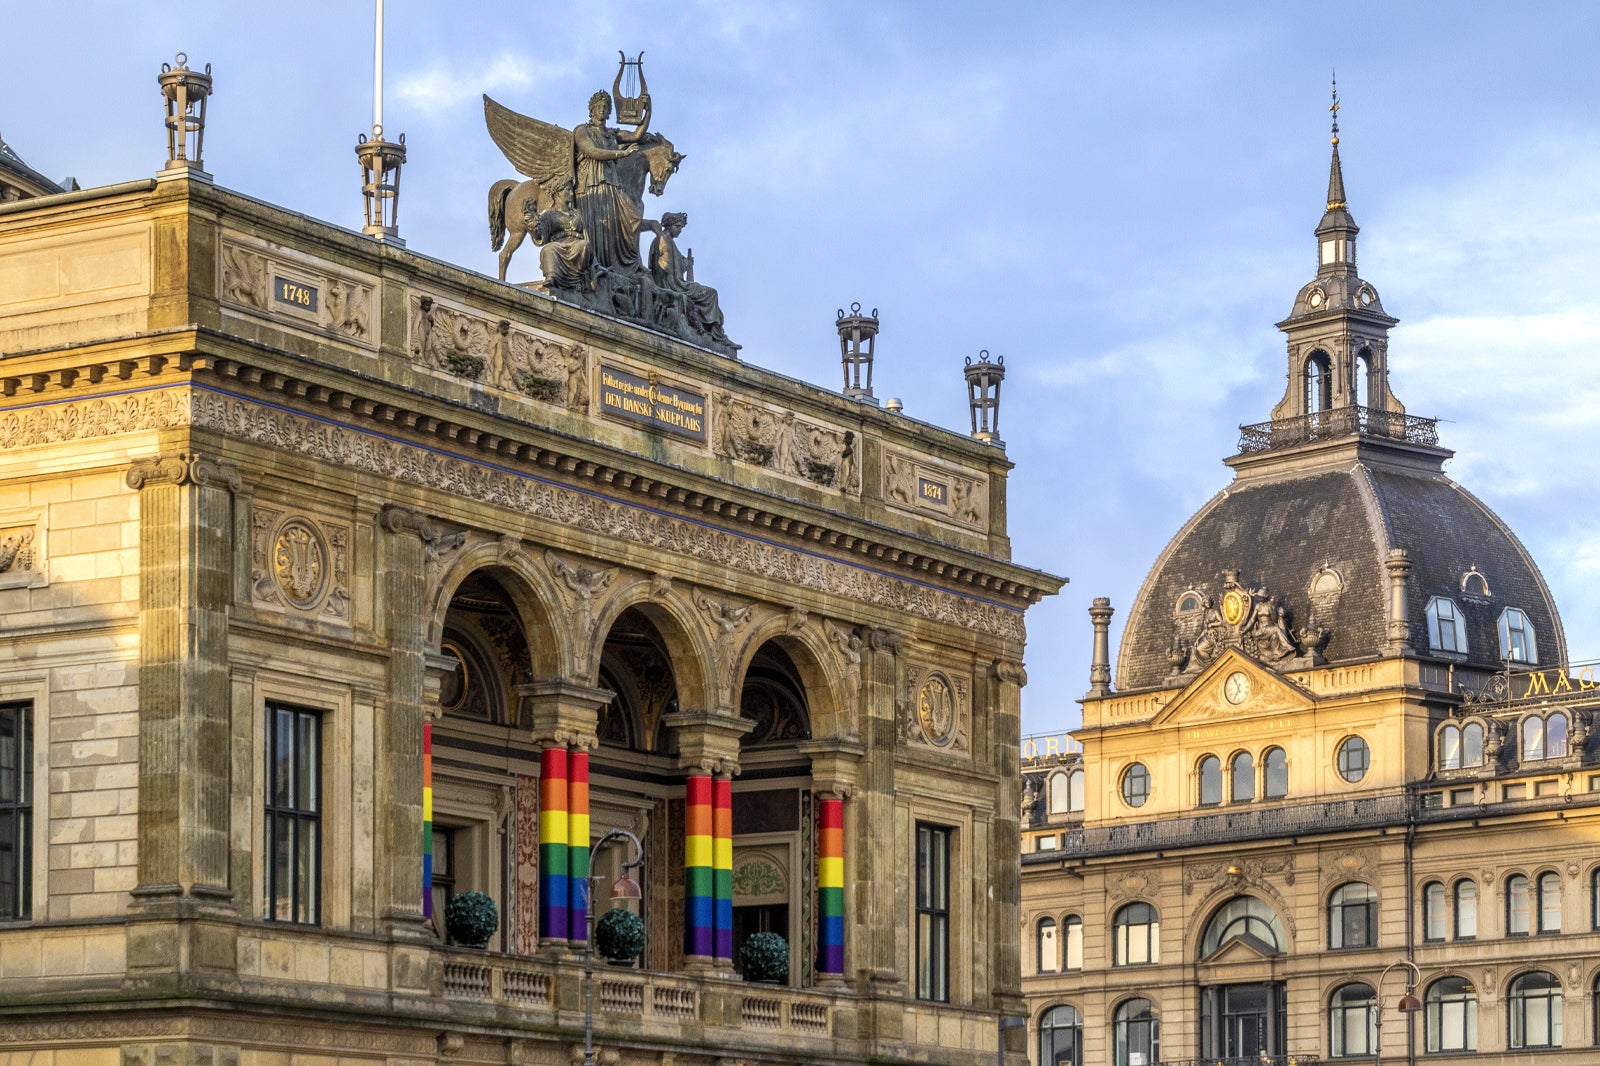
x=1315, y=537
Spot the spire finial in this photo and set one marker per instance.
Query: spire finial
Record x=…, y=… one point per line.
x=1334, y=109
x=1335, y=171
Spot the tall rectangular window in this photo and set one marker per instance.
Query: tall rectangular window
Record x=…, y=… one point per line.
x=933, y=912
x=294, y=815
x=16, y=811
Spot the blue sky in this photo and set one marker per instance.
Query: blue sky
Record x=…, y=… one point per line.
x=1118, y=198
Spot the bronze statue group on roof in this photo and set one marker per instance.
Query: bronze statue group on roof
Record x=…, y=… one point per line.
x=583, y=206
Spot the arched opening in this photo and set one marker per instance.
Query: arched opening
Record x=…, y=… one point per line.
x=1361, y=380
x=1317, y=373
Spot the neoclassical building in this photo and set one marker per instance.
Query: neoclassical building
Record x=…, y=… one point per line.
x=338, y=581
x=1345, y=760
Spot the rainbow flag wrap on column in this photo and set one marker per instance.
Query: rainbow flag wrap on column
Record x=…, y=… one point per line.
x=699, y=922
x=553, y=880
x=830, y=887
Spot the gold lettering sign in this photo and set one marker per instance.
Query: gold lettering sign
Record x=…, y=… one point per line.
x=1237, y=729
x=934, y=492
x=294, y=294
x=673, y=408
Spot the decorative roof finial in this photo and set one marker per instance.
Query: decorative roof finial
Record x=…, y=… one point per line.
x=1336, y=200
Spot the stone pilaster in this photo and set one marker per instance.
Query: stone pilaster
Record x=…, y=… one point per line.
x=185, y=566
x=878, y=899
x=1399, y=633
x=397, y=733
x=1005, y=878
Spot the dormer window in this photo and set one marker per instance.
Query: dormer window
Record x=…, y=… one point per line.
x=1516, y=637
x=1475, y=584
x=1446, y=630
x=1189, y=602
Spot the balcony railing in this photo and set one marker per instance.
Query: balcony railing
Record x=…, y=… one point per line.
x=1339, y=422
x=1246, y=1060
x=635, y=998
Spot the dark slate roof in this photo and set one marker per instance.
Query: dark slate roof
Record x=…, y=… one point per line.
x=21, y=175
x=1280, y=532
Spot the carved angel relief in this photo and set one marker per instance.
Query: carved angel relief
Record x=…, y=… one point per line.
x=580, y=584
x=786, y=444
x=324, y=301
x=726, y=619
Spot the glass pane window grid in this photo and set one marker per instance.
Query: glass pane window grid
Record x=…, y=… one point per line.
x=1135, y=785
x=1445, y=629
x=1136, y=1034
x=1354, y=759
x=1549, y=903
x=1435, y=919
x=933, y=912
x=1352, y=1022
x=293, y=815
x=1466, y=910
x=1136, y=936
x=16, y=811
x=1242, y=778
x=1210, y=781
x=1535, y=1007
x=1277, y=775
x=1351, y=917
x=1517, y=916
x=1061, y=1037
x=1516, y=637
x=1451, y=1015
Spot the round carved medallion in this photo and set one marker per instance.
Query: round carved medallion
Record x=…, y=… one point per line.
x=936, y=710
x=1234, y=604
x=300, y=562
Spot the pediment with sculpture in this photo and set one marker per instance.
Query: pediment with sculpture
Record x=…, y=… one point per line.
x=583, y=206
x=1248, y=619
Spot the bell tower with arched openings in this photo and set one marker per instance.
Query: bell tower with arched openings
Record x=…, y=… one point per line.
x=1338, y=330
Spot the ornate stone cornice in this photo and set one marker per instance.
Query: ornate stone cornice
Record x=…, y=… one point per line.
x=762, y=553
x=182, y=469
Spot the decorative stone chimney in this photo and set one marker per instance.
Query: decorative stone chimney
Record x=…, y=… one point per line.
x=1399, y=636
x=1100, y=613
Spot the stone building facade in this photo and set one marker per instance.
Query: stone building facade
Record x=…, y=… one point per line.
x=1345, y=759
x=278, y=500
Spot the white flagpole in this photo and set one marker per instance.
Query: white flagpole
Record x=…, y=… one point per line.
x=377, y=77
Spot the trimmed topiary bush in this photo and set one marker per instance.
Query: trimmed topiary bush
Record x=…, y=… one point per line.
x=619, y=935
x=471, y=919
x=765, y=957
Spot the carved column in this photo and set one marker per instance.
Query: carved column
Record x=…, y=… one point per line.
x=1399, y=566
x=1004, y=875
x=185, y=573
x=563, y=716
x=708, y=748
x=1100, y=613
x=398, y=877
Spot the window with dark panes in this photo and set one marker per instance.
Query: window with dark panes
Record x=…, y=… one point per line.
x=294, y=815
x=16, y=810
x=1352, y=916
x=933, y=912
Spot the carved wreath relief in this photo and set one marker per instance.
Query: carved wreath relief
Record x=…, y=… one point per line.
x=300, y=564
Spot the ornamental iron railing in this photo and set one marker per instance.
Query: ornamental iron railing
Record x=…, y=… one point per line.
x=1335, y=423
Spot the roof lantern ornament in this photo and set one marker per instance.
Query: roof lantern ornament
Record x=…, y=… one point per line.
x=983, y=396
x=380, y=159
x=857, y=332
x=186, y=92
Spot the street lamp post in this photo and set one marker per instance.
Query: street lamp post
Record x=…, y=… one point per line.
x=624, y=887
x=1409, y=1003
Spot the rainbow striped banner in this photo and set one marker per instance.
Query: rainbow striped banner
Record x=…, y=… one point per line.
x=427, y=820
x=699, y=904
x=553, y=851
x=830, y=887
x=578, y=846
x=722, y=862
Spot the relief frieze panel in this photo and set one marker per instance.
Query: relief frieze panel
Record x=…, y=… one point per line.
x=299, y=291
x=457, y=342
x=323, y=441
x=787, y=444
x=299, y=564
x=913, y=483
x=22, y=556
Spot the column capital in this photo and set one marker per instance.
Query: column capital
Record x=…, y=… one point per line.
x=1009, y=672
x=835, y=766
x=708, y=740
x=183, y=468
x=560, y=711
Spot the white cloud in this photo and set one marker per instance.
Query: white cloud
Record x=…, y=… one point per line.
x=442, y=86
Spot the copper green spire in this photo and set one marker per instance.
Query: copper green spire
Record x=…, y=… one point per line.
x=1335, y=173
